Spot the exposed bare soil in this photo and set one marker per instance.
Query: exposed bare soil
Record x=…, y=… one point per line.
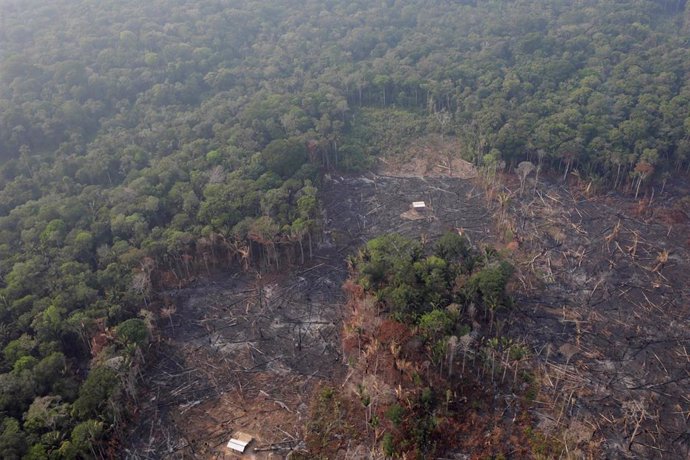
x=244, y=351
x=602, y=299
x=606, y=305
x=361, y=208
x=241, y=352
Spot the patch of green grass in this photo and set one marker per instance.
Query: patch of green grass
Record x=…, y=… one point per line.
x=395, y=414
x=542, y=446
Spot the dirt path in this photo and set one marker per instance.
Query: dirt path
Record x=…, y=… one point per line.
x=609, y=314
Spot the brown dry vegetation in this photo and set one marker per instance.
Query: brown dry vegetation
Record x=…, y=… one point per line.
x=394, y=390
x=429, y=156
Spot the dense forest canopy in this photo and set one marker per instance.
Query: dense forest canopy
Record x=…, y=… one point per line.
x=143, y=142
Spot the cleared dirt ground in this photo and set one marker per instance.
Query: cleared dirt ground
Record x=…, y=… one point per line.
x=361, y=208
x=602, y=295
x=244, y=351
x=240, y=353
x=606, y=304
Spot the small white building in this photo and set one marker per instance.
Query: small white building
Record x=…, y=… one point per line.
x=419, y=205
x=239, y=441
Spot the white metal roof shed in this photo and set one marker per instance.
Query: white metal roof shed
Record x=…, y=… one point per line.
x=239, y=441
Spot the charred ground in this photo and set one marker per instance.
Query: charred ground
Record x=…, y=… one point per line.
x=604, y=300
x=600, y=301
x=245, y=350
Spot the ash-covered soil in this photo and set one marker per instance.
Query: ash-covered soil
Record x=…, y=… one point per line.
x=606, y=303
x=601, y=296
x=243, y=351
x=361, y=208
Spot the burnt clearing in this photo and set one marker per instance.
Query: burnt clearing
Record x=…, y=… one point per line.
x=601, y=298
x=358, y=209
x=604, y=299
x=245, y=350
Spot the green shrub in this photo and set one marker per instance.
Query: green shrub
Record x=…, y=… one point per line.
x=395, y=414
x=387, y=445
x=133, y=332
